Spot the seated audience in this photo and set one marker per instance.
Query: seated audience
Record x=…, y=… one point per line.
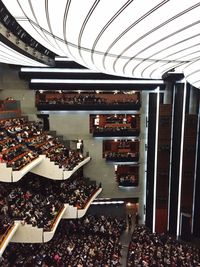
x=125, y=157
x=116, y=131
x=127, y=180
x=62, y=98
x=87, y=242
x=147, y=249
x=5, y=223
x=36, y=200
x=22, y=141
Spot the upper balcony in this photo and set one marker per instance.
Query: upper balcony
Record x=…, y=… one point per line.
x=121, y=151
x=118, y=125
x=97, y=100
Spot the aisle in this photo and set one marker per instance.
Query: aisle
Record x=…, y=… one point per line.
x=125, y=240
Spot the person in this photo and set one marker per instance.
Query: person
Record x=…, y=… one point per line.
x=1, y=158
x=136, y=218
x=129, y=220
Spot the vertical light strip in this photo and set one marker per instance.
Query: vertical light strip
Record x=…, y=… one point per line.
x=156, y=159
x=181, y=160
x=170, y=160
x=145, y=153
x=195, y=171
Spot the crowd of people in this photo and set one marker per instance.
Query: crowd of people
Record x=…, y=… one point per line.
x=5, y=223
x=52, y=98
x=115, y=131
x=4, y=102
x=35, y=200
x=92, y=241
x=150, y=249
x=125, y=157
x=127, y=180
x=22, y=141
x=77, y=99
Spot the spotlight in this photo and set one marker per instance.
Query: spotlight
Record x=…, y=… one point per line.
x=7, y=34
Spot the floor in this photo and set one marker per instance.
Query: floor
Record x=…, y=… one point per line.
x=125, y=240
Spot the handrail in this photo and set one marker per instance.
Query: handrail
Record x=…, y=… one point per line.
x=2, y=239
x=19, y=157
x=13, y=118
x=88, y=200
x=11, y=111
x=54, y=221
x=12, y=148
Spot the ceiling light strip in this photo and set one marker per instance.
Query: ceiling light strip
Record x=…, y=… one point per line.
x=67, y=81
x=156, y=160
x=58, y=70
x=181, y=160
x=57, y=58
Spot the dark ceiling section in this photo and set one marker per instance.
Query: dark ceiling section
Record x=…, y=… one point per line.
x=68, y=75
x=97, y=81
x=91, y=86
x=172, y=76
x=68, y=64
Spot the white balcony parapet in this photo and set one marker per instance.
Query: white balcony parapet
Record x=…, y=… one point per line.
x=8, y=237
x=50, y=170
x=26, y=233
x=48, y=235
x=82, y=212
x=70, y=213
x=74, y=213
x=68, y=174
x=41, y=166
x=17, y=175
x=5, y=173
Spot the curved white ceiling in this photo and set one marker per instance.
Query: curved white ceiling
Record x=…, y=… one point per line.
x=134, y=38
x=11, y=56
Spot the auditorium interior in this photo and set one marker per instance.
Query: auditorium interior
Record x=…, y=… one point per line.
x=99, y=133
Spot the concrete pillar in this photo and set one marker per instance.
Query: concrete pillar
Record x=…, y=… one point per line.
x=193, y=100
x=168, y=93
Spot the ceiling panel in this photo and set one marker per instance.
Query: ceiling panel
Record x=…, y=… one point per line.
x=132, y=38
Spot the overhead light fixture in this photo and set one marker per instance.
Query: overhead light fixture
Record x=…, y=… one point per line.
x=57, y=70
x=90, y=81
x=57, y=58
